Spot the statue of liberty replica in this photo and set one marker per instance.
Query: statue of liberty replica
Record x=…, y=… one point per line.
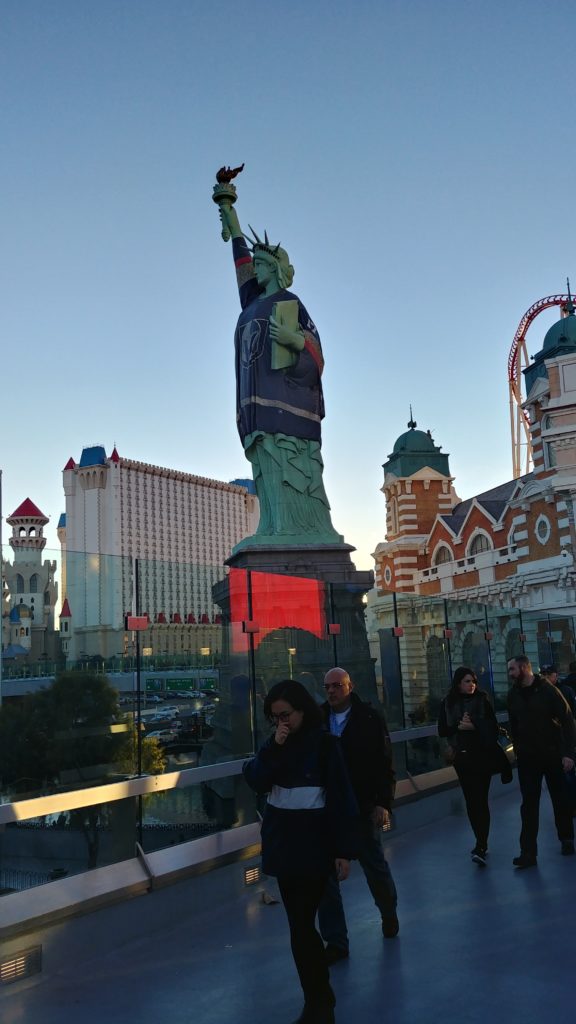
x=300, y=587
x=279, y=399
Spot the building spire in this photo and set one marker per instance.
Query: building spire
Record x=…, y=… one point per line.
x=412, y=422
x=569, y=307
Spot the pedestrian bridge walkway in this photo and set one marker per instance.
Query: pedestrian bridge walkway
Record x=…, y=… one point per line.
x=480, y=946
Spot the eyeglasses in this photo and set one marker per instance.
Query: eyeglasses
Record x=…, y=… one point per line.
x=282, y=717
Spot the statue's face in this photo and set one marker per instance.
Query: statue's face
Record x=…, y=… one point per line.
x=266, y=269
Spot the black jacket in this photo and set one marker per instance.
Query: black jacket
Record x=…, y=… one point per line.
x=478, y=743
x=541, y=722
x=569, y=696
x=300, y=841
x=368, y=755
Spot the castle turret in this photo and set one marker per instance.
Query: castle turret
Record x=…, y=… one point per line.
x=32, y=590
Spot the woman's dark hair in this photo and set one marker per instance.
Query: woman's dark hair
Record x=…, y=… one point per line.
x=454, y=693
x=298, y=697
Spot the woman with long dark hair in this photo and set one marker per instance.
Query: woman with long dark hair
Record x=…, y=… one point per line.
x=308, y=829
x=468, y=721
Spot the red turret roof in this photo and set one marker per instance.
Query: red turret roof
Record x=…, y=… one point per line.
x=70, y=464
x=65, y=613
x=28, y=510
x=114, y=457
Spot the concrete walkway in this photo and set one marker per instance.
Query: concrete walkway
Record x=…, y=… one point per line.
x=478, y=946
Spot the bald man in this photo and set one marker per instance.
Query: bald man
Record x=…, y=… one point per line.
x=367, y=752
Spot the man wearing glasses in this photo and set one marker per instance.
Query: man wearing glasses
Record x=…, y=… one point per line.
x=367, y=752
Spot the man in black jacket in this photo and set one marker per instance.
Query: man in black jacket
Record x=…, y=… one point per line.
x=550, y=673
x=367, y=753
x=544, y=738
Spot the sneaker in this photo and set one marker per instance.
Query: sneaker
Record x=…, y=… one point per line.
x=390, y=926
x=479, y=856
x=335, y=953
x=524, y=861
x=567, y=849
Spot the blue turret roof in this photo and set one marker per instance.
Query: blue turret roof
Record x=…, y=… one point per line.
x=248, y=484
x=94, y=456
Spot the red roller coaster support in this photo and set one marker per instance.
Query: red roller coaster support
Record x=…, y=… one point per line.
x=517, y=362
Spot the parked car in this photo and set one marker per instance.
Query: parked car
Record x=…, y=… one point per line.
x=163, y=735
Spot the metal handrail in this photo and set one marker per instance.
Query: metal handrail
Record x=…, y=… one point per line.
x=70, y=800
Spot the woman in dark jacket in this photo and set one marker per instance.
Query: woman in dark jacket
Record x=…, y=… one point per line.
x=469, y=723
x=308, y=829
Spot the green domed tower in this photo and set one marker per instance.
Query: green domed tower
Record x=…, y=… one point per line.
x=413, y=451
x=417, y=487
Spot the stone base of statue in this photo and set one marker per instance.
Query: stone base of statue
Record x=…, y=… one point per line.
x=309, y=600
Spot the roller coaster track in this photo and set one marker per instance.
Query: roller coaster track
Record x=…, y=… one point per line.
x=517, y=362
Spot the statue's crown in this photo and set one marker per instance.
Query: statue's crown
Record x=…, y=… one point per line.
x=256, y=244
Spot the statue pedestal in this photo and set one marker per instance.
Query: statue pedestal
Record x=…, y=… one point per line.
x=294, y=638
x=343, y=606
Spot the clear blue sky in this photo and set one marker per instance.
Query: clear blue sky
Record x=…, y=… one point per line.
x=415, y=157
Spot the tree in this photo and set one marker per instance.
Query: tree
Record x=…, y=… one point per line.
x=70, y=732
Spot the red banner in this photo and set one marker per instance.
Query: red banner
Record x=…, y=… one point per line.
x=278, y=602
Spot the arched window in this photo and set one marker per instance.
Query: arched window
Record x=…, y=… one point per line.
x=394, y=515
x=443, y=555
x=438, y=670
x=19, y=584
x=46, y=597
x=514, y=644
x=476, y=655
x=22, y=531
x=480, y=543
x=32, y=531
x=34, y=583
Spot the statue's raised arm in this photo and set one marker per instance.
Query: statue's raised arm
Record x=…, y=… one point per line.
x=224, y=194
x=279, y=399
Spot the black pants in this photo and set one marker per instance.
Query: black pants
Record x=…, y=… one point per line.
x=476, y=786
x=301, y=898
x=531, y=771
x=371, y=858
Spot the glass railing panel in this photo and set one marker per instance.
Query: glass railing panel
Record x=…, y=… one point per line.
x=181, y=815
x=134, y=701
x=469, y=642
x=424, y=656
x=55, y=846
x=293, y=615
x=189, y=687
x=504, y=640
x=386, y=658
x=550, y=640
x=423, y=754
